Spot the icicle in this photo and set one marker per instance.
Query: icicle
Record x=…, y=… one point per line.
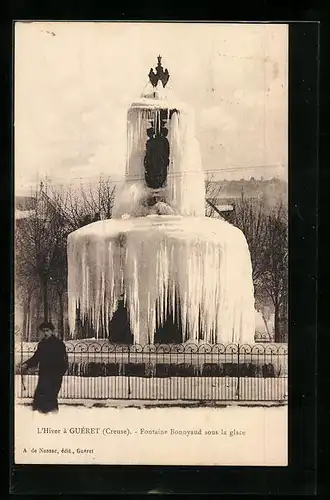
x=185, y=183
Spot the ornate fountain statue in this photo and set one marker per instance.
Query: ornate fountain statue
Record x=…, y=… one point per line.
x=159, y=259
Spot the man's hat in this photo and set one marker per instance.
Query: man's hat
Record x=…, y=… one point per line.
x=46, y=326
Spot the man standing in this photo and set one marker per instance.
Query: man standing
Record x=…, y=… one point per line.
x=52, y=358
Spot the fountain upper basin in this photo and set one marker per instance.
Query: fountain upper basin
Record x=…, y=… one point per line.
x=188, y=228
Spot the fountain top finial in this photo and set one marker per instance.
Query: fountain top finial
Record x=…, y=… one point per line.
x=160, y=74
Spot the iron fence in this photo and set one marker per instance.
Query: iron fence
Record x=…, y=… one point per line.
x=99, y=370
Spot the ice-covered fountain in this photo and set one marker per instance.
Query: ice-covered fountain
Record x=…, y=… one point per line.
x=159, y=258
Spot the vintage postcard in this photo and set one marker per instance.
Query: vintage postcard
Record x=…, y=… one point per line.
x=151, y=243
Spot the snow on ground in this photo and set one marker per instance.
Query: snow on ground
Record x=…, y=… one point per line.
x=169, y=388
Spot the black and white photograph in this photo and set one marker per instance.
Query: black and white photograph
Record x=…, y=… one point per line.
x=151, y=243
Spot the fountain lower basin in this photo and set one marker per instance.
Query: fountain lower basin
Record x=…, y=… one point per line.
x=197, y=269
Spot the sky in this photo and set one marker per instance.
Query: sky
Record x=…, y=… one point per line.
x=75, y=81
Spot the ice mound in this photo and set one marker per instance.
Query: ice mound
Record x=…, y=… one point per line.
x=197, y=267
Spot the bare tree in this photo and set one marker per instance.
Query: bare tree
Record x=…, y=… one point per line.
x=38, y=242
x=89, y=203
x=97, y=202
x=41, y=241
x=266, y=231
x=275, y=282
x=250, y=217
x=212, y=195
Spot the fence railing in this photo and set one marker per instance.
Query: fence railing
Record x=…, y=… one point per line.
x=191, y=372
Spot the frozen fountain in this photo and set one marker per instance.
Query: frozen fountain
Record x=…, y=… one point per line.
x=159, y=259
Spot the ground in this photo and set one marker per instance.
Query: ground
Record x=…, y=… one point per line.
x=167, y=388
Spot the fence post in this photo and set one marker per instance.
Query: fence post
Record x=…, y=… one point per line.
x=129, y=378
x=23, y=388
x=239, y=372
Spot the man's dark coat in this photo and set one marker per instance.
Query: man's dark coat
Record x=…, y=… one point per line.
x=51, y=356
